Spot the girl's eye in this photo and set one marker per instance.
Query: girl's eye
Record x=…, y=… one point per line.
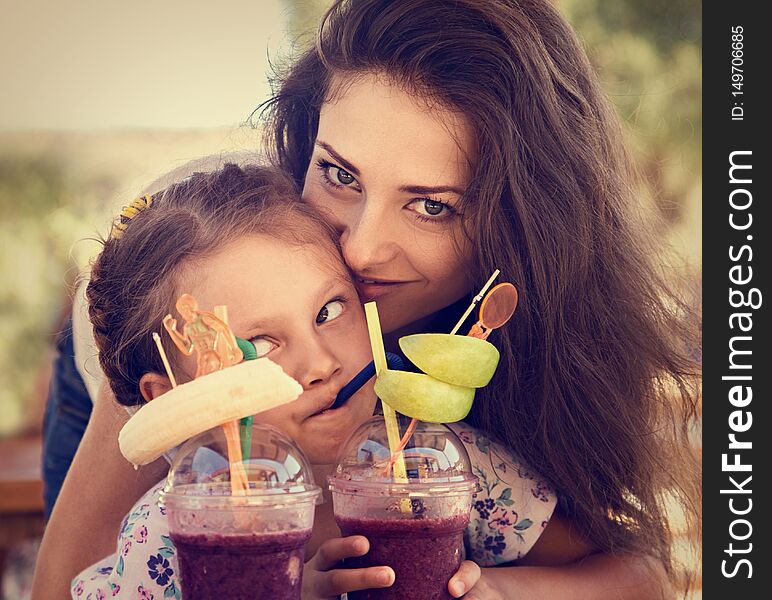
x=331, y=310
x=429, y=209
x=262, y=345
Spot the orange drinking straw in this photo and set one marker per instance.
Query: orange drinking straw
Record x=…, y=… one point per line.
x=475, y=300
x=239, y=480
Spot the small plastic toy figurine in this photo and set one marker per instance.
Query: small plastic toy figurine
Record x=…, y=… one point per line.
x=210, y=337
x=204, y=333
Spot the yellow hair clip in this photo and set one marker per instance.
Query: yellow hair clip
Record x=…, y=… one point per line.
x=128, y=213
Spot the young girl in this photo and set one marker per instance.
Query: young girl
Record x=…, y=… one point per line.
x=236, y=237
x=442, y=140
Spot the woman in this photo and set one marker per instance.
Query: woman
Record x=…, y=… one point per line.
x=445, y=140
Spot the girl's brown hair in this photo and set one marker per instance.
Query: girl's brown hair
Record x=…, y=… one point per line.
x=597, y=382
x=134, y=281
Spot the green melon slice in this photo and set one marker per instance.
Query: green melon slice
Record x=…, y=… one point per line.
x=422, y=397
x=455, y=359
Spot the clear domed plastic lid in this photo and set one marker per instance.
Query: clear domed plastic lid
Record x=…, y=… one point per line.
x=276, y=470
x=435, y=462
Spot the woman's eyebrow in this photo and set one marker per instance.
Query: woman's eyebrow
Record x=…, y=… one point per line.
x=425, y=190
x=406, y=189
x=331, y=151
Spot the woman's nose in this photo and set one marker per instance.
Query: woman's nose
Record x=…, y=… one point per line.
x=369, y=239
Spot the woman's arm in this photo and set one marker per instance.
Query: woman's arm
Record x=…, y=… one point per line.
x=563, y=565
x=597, y=577
x=98, y=491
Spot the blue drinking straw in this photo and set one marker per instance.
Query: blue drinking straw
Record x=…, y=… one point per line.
x=393, y=360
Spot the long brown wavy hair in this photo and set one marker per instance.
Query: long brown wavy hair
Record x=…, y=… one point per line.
x=597, y=386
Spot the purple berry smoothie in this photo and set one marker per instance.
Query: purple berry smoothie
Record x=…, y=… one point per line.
x=424, y=553
x=241, y=566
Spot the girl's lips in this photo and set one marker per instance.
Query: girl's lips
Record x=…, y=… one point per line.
x=321, y=405
x=328, y=412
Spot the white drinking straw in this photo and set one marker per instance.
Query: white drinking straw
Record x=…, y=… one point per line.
x=475, y=300
x=164, y=359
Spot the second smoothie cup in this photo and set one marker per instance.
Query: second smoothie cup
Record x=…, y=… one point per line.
x=415, y=526
x=243, y=546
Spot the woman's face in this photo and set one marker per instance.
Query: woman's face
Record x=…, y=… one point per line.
x=303, y=313
x=388, y=171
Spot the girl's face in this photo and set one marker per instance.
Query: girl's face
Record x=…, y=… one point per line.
x=388, y=172
x=303, y=313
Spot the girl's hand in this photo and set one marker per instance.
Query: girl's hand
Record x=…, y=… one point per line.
x=466, y=582
x=324, y=580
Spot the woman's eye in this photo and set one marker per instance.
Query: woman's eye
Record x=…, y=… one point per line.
x=431, y=208
x=331, y=310
x=262, y=345
x=336, y=177
x=343, y=177
x=434, y=208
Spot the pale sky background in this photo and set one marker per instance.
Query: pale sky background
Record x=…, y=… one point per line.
x=106, y=64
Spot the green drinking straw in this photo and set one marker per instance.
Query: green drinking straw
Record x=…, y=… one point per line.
x=249, y=352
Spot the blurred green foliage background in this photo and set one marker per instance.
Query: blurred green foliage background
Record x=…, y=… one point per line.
x=38, y=217
x=57, y=190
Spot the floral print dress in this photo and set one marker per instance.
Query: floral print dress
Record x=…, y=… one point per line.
x=512, y=507
x=509, y=513
x=144, y=566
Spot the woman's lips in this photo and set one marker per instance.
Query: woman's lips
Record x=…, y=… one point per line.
x=371, y=289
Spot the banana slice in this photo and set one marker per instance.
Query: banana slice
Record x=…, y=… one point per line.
x=245, y=389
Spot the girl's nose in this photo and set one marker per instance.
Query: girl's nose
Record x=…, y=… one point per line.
x=318, y=365
x=369, y=239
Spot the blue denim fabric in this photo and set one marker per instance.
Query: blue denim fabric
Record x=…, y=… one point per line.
x=67, y=413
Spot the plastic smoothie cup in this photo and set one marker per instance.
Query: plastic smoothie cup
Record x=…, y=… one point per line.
x=240, y=546
x=415, y=526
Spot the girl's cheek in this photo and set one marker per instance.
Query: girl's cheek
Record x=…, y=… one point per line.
x=277, y=417
x=358, y=344
x=359, y=327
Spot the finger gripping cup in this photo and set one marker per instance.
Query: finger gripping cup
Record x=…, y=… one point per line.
x=415, y=526
x=240, y=546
